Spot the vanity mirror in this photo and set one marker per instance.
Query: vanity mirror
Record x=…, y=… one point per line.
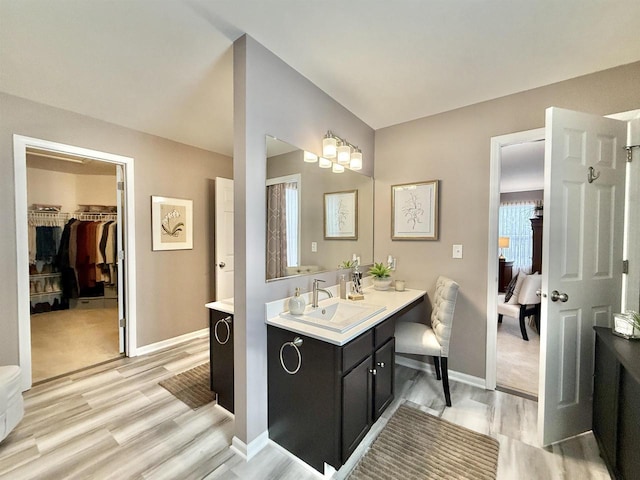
x=296, y=239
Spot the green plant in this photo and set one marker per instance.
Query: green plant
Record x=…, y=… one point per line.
x=347, y=264
x=380, y=270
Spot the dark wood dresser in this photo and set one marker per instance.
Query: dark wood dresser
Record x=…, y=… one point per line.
x=616, y=403
x=505, y=273
x=536, y=256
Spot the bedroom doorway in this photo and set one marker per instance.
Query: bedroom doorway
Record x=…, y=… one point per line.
x=75, y=246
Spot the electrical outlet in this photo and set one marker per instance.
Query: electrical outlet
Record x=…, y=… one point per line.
x=457, y=251
x=314, y=246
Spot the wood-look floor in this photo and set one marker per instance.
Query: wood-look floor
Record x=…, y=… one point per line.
x=114, y=421
x=517, y=361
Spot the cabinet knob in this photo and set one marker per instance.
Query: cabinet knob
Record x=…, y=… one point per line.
x=373, y=372
x=380, y=364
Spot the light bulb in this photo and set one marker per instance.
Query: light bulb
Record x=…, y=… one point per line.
x=325, y=163
x=356, y=160
x=329, y=145
x=337, y=168
x=344, y=154
x=310, y=157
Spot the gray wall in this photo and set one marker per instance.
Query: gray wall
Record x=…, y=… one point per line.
x=270, y=98
x=172, y=287
x=454, y=147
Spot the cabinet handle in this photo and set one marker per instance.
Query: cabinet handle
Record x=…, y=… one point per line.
x=373, y=372
x=380, y=364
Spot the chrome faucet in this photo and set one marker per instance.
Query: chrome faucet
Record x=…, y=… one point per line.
x=316, y=289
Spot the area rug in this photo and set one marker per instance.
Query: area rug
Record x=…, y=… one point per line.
x=191, y=387
x=416, y=445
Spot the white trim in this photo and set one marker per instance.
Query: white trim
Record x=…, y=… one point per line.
x=492, y=256
x=453, y=375
x=329, y=471
x=170, y=342
x=247, y=452
x=20, y=144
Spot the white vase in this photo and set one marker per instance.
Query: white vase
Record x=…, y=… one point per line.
x=382, y=283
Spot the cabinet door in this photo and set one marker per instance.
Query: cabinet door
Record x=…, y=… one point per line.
x=356, y=406
x=383, y=380
x=221, y=356
x=605, y=401
x=628, y=461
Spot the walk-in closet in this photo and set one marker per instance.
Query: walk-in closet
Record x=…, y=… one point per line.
x=73, y=278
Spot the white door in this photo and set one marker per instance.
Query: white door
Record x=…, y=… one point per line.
x=224, y=238
x=120, y=202
x=582, y=261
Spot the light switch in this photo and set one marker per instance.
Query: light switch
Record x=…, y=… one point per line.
x=314, y=246
x=457, y=251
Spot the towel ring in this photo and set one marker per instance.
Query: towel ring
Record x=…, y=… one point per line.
x=295, y=344
x=215, y=330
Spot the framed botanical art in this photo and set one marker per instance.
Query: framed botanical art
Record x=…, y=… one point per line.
x=171, y=223
x=414, y=211
x=341, y=215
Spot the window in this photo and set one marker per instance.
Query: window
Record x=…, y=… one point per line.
x=515, y=223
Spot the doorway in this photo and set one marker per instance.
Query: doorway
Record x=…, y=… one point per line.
x=71, y=304
x=520, y=219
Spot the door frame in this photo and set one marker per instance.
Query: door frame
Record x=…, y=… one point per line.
x=20, y=145
x=492, y=265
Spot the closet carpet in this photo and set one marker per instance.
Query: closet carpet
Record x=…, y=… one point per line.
x=67, y=340
x=517, y=360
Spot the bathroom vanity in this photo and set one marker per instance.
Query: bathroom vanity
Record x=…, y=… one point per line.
x=221, y=351
x=327, y=388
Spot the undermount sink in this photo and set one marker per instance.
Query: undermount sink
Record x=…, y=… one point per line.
x=336, y=314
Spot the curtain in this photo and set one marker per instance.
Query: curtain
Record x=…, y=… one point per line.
x=276, y=231
x=515, y=223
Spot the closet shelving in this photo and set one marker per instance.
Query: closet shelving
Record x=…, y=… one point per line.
x=45, y=286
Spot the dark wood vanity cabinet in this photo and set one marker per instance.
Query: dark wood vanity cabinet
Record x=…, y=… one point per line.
x=324, y=405
x=616, y=403
x=221, y=356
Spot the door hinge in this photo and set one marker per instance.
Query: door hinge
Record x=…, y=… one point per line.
x=120, y=186
x=122, y=323
x=121, y=255
x=625, y=266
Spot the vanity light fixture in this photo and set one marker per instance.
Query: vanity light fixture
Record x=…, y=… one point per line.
x=310, y=157
x=337, y=168
x=347, y=154
x=324, y=162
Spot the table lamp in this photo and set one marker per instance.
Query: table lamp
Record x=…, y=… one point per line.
x=503, y=242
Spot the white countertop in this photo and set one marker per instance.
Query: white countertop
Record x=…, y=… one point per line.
x=225, y=305
x=394, y=301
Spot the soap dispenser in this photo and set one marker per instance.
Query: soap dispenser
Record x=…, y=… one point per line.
x=297, y=303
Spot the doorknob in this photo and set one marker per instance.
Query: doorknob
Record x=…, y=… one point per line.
x=556, y=295
x=222, y=264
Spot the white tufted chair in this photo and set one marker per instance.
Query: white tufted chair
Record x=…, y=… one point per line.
x=11, y=403
x=420, y=339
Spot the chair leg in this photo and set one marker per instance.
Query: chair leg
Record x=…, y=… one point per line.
x=436, y=363
x=499, y=318
x=445, y=381
x=523, y=327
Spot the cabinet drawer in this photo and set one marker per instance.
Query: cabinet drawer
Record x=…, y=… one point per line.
x=384, y=331
x=356, y=350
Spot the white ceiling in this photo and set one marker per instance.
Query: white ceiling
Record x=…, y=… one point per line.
x=165, y=66
x=522, y=167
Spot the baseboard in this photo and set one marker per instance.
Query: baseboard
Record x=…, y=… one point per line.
x=453, y=375
x=248, y=451
x=170, y=342
x=329, y=471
